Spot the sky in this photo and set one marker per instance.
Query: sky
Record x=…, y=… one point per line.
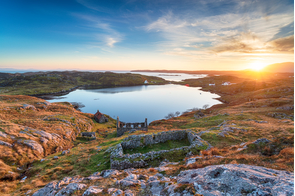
x=145, y=34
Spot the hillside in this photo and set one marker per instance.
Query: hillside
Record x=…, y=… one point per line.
x=254, y=126
x=280, y=67
x=40, y=83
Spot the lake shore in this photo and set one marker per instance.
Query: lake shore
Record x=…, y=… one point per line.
x=42, y=141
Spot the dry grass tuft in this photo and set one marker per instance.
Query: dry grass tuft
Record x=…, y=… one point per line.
x=287, y=152
x=211, y=151
x=26, y=187
x=215, y=151
x=152, y=170
x=38, y=183
x=6, y=187
x=205, y=153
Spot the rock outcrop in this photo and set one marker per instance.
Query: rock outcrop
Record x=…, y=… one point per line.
x=27, y=129
x=235, y=179
x=219, y=180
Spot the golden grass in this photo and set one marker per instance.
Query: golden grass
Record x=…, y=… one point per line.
x=243, y=108
x=38, y=183
x=287, y=152
x=6, y=187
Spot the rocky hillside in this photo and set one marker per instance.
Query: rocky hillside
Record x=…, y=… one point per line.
x=250, y=138
x=32, y=128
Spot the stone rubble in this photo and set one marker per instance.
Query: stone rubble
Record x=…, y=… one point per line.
x=5, y=144
x=219, y=180
x=92, y=190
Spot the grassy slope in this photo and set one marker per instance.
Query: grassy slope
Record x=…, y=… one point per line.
x=245, y=104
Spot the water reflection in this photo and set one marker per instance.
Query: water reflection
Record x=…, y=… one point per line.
x=135, y=103
x=117, y=89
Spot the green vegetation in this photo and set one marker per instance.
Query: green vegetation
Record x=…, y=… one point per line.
x=214, y=139
x=53, y=82
x=206, y=122
x=271, y=148
x=82, y=160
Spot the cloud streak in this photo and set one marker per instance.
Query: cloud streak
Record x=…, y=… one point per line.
x=100, y=31
x=235, y=33
x=285, y=44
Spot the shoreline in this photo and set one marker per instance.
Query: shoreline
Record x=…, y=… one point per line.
x=65, y=92
x=51, y=96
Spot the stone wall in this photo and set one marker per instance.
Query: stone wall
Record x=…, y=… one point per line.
x=119, y=160
x=124, y=127
x=89, y=135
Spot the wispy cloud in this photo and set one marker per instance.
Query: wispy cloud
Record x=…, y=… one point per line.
x=255, y=31
x=285, y=44
x=93, y=5
x=111, y=41
x=101, y=32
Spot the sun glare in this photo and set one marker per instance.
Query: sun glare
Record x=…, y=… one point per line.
x=257, y=66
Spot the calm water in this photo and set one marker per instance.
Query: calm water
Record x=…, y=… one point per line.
x=168, y=76
x=134, y=104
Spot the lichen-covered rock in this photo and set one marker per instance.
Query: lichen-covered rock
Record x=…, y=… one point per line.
x=240, y=179
x=34, y=145
x=48, y=190
x=5, y=144
x=88, y=134
x=94, y=176
x=27, y=106
x=3, y=134
x=109, y=172
x=70, y=188
x=190, y=161
x=155, y=187
x=92, y=190
x=65, y=152
x=261, y=140
x=115, y=192
x=43, y=134
x=68, y=180
x=117, y=151
x=128, y=193
x=130, y=180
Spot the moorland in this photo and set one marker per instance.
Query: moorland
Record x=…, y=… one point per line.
x=40, y=141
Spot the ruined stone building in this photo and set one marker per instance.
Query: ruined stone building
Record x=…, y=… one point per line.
x=122, y=127
x=100, y=118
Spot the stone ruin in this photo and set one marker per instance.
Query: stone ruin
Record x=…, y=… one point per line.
x=100, y=118
x=124, y=127
x=120, y=161
x=89, y=135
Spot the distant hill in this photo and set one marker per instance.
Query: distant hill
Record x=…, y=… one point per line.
x=280, y=67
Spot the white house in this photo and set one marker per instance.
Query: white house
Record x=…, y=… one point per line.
x=226, y=83
x=212, y=84
x=146, y=82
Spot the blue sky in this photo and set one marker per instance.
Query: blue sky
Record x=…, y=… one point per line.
x=145, y=34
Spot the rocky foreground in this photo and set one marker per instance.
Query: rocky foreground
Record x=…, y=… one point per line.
x=229, y=179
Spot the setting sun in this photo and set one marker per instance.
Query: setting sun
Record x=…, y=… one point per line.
x=257, y=66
